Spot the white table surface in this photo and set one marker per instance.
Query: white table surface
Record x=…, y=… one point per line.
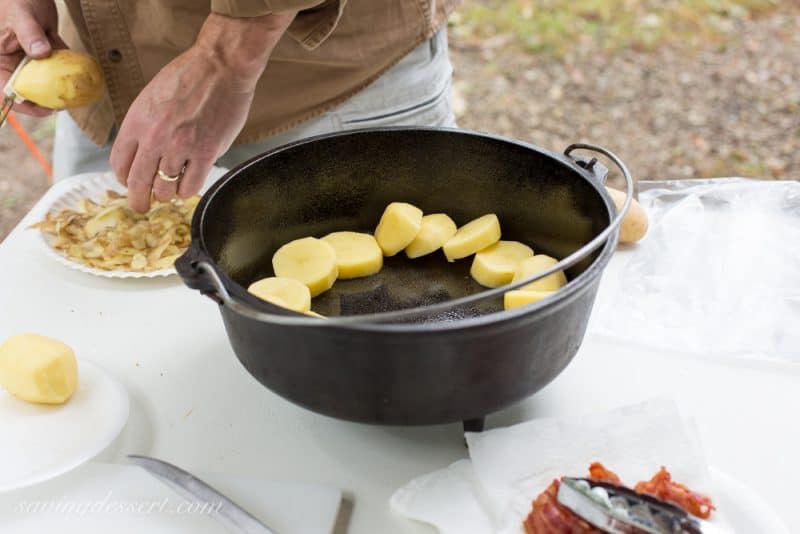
x=194, y=404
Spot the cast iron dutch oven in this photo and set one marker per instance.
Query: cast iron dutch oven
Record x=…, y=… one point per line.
x=420, y=342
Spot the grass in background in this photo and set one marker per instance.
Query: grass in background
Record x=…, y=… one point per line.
x=552, y=26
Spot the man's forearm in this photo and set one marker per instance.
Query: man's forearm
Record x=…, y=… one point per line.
x=243, y=45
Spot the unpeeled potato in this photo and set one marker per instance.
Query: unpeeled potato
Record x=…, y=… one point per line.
x=65, y=79
x=634, y=224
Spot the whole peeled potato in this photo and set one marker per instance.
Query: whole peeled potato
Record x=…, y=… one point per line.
x=634, y=224
x=65, y=79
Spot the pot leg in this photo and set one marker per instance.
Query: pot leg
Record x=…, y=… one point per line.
x=474, y=425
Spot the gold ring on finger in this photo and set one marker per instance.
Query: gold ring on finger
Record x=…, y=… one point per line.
x=167, y=178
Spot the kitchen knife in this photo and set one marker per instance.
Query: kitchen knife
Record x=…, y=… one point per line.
x=235, y=518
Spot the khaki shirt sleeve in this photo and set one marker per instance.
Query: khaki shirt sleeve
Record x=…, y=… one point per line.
x=315, y=21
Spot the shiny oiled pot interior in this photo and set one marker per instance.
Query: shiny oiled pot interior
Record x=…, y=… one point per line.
x=345, y=182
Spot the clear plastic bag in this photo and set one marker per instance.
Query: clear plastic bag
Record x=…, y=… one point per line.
x=718, y=272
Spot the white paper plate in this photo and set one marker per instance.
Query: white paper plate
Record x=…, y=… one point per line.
x=67, y=194
x=742, y=508
x=446, y=500
x=40, y=442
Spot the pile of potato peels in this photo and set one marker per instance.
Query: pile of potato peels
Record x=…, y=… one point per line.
x=110, y=236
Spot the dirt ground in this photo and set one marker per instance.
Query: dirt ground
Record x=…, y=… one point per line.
x=22, y=180
x=729, y=108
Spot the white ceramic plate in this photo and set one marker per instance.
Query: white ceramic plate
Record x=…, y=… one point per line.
x=67, y=193
x=40, y=442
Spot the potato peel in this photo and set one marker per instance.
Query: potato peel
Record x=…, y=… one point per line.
x=109, y=236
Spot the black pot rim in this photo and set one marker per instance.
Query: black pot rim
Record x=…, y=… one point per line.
x=543, y=307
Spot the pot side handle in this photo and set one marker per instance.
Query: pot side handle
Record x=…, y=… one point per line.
x=591, y=165
x=187, y=267
x=600, y=172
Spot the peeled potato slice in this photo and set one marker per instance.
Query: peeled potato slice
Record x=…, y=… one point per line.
x=399, y=225
x=38, y=369
x=357, y=254
x=535, y=265
x=474, y=236
x=316, y=315
x=285, y=292
x=436, y=229
x=308, y=260
x=518, y=298
x=496, y=265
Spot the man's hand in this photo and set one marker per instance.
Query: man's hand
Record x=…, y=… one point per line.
x=190, y=113
x=27, y=27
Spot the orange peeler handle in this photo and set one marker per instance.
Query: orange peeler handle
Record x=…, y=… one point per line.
x=30, y=145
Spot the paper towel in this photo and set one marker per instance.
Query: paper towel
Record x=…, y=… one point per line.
x=508, y=467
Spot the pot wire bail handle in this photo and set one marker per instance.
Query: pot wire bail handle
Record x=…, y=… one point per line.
x=227, y=299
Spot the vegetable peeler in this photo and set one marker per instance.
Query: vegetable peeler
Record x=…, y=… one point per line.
x=9, y=96
x=619, y=510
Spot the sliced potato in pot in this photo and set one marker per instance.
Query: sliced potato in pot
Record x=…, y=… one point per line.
x=535, y=265
x=285, y=292
x=496, y=265
x=308, y=260
x=474, y=236
x=357, y=254
x=399, y=225
x=436, y=229
x=523, y=297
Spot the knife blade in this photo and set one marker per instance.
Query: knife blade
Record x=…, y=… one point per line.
x=235, y=518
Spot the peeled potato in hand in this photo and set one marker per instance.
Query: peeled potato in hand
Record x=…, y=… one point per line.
x=496, y=265
x=284, y=292
x=308, y=260
x=634, y=224
x=65, y=79
x=38, y=369
x=436, y=229
x=357, y=254
x=474, y=236
x=399, y=225
x=535, y=265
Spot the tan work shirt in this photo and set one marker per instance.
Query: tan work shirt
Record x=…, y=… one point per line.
x=333, y=49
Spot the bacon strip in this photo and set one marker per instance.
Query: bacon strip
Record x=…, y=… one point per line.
x=661, y=486
x=549, y=517
x=599, y=473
